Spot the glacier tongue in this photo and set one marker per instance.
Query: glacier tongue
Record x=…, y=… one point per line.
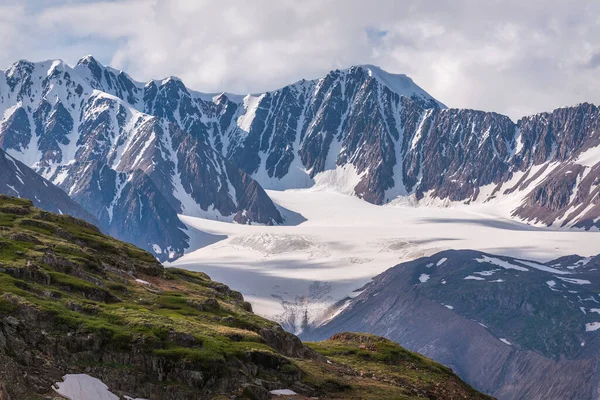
x=300, y=274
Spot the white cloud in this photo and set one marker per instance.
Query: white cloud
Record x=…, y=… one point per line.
x=513, y=57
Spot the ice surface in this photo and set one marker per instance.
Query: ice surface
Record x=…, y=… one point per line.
x=344, y=242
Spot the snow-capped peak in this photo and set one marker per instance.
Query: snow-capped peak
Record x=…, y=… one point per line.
x=171, y=79
x=398, y=83
x=89, y=59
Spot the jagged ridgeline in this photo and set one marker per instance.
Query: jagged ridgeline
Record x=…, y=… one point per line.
x=75, y=301
x=135, y=154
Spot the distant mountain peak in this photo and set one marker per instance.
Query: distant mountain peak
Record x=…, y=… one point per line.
x=399, y=83
x=89, y=59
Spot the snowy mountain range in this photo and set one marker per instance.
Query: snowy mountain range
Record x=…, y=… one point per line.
x=135, y=155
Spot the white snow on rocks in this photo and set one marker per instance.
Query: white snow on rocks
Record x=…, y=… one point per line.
x=13, y=189
x=505, y=341
x=589, y=158
x=592, y=326
x=443, y=260
x=399, y=83
x=500, y=263
x=448, y=307
x=575, y=281
x=423, y=278
x=486, y=273
x=542, y=267
x=250, y=106
x=551, y=283
x=581, y=263
x=474, y=278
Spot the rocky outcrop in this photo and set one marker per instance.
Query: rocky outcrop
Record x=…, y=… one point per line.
x=511, y=328
x=26, y=341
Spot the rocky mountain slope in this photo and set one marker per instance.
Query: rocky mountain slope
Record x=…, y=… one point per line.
x=81, y=306
x=512, y=328
x=18, y=180
x=356, y=131
x=134, y=166
x=119, y=147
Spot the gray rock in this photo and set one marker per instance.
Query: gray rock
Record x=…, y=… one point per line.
x=513, y=333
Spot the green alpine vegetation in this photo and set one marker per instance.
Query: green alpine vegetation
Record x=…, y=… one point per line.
x=73, y=300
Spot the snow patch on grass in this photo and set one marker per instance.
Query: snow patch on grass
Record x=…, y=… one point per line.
x=83, y=387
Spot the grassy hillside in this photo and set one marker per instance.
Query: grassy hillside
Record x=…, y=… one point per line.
x=73, y=300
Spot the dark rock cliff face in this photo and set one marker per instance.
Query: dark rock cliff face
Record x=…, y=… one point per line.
x=509, y=327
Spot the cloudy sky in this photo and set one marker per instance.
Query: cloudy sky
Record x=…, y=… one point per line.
x=514, y=57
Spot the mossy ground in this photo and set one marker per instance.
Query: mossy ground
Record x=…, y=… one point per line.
x=86, y=282
x=93, y=288
x=370, y=367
